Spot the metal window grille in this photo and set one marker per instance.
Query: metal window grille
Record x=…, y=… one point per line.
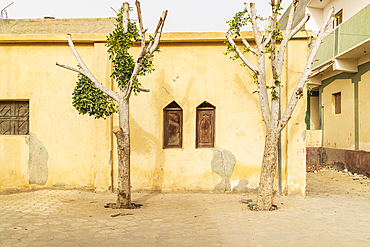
x=14, y=117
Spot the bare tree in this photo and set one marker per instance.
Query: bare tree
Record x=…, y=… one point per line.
x=267, y=42
x=126, y=72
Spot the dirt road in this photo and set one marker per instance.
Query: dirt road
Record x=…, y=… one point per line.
x=329, y=181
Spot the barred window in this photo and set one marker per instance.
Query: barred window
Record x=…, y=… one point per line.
x=14, y=117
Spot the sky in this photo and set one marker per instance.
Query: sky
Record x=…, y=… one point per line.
x=183, y=15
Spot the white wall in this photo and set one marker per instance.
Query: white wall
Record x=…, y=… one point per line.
x=350, y=8
x=316, y=19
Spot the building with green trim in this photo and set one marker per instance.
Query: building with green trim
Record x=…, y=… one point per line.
x=338, y=107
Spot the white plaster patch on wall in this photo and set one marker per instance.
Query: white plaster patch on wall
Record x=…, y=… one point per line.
x=223, y=163
x=254, y=181
x=37, y=163
x=295, y=187
x=234, y=183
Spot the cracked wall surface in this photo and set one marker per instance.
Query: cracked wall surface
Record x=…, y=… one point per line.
x=223, y=163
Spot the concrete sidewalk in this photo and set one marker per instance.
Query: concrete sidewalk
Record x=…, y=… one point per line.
x=78, y=218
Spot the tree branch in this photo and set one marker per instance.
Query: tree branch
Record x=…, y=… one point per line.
x=288, y=27
x=158, y=33
x=257, y=37
x=299, y=26
x=300, y=85
x=160, y=24
x=86, y=72
x=245, y=42
x=141, y=25
x=263, y=96
x=143, y=89
x=266, y=39
x=144, y=51
x=71, y=68
x=290, y=33
x=125, y=16
x=278, y=57
x=141, y=55
x=261, y=75
x=241, y=55
x=274, y=7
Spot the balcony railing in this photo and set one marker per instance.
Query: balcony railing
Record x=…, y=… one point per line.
x=349, y=34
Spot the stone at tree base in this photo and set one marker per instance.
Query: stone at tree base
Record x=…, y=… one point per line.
x=115, y=206
x=59, y=185
x=246, y=200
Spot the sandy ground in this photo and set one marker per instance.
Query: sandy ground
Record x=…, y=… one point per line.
x=329, y=181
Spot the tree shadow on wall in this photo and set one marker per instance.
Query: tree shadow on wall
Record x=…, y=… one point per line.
x=152, y=144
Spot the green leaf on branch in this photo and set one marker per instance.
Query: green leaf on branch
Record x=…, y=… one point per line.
x=118, y=44
x=274, y=94
x=89, y=100
x=237, y=22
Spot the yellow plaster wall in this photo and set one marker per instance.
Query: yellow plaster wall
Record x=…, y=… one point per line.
x=343, y=121
x=314, y=113
x=191, y=74
x=28, y=72
x=13, y=156
x=190, y=69
x=294, y=137
x=364, y=111
x=313, y=138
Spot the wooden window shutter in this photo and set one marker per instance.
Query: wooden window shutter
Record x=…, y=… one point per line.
x=205, y=128
x=337, y=103
x=172, y=126
x=14, y=117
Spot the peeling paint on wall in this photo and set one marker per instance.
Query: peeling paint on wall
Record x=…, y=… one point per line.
x=37, y=163
x=242, y=186
x=303, y=135
x=223, y=163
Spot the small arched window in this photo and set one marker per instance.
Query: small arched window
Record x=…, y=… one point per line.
x=172, y=126
x=205, y=136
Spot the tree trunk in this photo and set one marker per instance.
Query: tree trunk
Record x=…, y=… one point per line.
x=268, y=169
x=123, y=147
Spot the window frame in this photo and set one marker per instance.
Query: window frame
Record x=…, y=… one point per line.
x=172, y=108
x=205, y=107
x=338, y=18
x=18, y=123
x=337, y=103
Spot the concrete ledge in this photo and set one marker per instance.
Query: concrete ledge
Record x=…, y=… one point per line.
x=95, y=30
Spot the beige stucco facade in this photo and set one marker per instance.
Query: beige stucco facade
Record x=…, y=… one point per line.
x=343, y=121
x=348, y=129
x=77, y=151
x=364, y=111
